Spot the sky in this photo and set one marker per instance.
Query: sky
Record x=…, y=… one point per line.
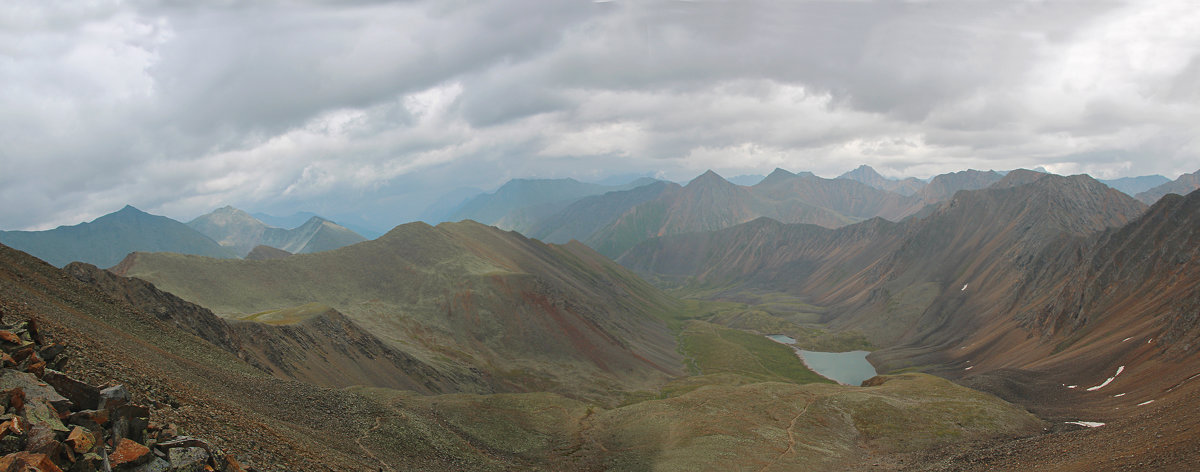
x=373, y=110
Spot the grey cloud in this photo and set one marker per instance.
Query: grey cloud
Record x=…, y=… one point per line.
x=286, y=106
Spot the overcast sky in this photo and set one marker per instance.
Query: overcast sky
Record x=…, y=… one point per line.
x=334, y=106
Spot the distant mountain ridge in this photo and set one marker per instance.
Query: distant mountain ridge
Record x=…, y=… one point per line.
x=1134, y=185
x=520, y=203
x=109, y=238
x=241, y=232
x=867, y=175
x=709, y=202
x=1183, y=185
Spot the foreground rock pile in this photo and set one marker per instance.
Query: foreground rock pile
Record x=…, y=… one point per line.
x=51, y=422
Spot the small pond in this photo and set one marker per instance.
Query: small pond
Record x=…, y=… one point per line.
x=850, y=368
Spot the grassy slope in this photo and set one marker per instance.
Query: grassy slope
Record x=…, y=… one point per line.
x=460, y=296
x=771, y=425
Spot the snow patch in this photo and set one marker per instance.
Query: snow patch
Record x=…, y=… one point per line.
x=964, y=288
x=1072, y=386
x=1147, y=402
x=969, y=368
x=1118, y=395
x=1089, y=424
x=1106, y=382
x=1126, y=339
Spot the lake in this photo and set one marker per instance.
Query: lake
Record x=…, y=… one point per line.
x=850, y=368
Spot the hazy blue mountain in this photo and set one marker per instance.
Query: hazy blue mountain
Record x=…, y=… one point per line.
x=1185, y=184
x=1135, y=185
x=109, y=238
x=581, y=219
x=241, y=232
x=520, y=204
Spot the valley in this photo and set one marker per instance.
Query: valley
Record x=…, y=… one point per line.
x=1034, y=313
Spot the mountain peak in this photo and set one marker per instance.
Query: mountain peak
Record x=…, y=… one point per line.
x=709, y=178
x=865, y=174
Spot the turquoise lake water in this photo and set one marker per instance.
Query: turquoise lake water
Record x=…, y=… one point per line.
x=850, y=368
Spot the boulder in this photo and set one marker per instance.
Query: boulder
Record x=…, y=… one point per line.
x=82, y=395
x=129, y=453
x=113, y=397
x=28, y=462
x=33, y=389
x=188, y=459
x=81, y=440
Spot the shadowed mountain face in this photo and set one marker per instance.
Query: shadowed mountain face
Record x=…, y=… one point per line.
x=491, y=309
x=1185, y=184
x=237, y=230
x=108, y=239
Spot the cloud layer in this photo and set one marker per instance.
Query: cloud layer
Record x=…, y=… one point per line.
x=372, y=110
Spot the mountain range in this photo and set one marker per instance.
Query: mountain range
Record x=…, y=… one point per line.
x=1019, y=320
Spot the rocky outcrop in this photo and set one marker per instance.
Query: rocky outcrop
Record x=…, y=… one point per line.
x=53, y=422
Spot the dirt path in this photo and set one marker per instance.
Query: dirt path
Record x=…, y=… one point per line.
x=359, y=440
x=791, y=436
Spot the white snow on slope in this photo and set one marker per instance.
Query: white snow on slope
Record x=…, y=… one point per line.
x=1106, y=382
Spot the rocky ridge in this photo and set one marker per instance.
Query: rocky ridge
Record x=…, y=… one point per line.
x=53, y=422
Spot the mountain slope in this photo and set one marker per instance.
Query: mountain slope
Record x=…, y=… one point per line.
x=491, y=308
x=1184, y=185
x=241, y=232
x=109, y=238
